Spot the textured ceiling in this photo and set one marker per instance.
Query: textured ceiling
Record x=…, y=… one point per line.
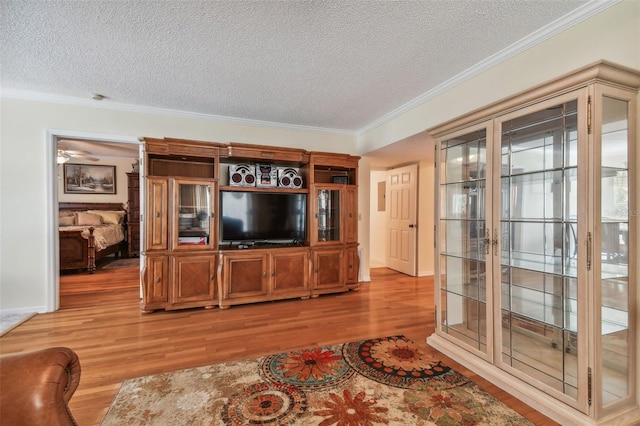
x=338, y=65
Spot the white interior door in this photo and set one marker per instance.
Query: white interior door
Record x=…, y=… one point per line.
x=401, y=218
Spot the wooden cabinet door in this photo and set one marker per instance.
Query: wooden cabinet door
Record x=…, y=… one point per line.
x=328, y=270
x=156, y=283
x=133, y=237
x=245, y=277
x=157, y=212
x=352, y=265
x=133, y=186
x=133, y=214
x=351, y=214
x=290, y=273
x=194, y=280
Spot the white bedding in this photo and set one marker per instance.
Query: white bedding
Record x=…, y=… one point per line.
x=104, y=235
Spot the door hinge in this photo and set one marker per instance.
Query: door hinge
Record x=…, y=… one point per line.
x=589, y=114
x=435, y=156
x=487, y=241
x=589, y=386
x=588, y=251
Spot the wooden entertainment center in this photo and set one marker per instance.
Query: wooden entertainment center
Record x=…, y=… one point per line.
x=199, y=252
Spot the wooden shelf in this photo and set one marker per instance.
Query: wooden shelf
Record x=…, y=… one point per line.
x=263, y=189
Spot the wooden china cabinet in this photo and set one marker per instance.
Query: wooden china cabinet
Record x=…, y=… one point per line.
x=181, y=227
x=190, y=262
x=334, y=222
x=537, y=221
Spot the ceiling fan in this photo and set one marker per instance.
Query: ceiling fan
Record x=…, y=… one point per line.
x=65, y=154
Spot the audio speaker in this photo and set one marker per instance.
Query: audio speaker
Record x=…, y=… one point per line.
x=289, y=178
x=267, y=175
x=241, y=175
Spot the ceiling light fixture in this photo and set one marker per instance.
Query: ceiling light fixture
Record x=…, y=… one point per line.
x=97, y=97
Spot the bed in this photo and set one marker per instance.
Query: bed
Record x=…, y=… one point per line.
x=88, y=232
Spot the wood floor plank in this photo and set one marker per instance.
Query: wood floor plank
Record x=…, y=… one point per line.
x=100, y=319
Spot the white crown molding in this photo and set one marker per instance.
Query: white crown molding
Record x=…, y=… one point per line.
x=563, y=23
x=105, y=104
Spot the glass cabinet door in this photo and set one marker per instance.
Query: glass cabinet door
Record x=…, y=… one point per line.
x=537, y=245
x=328, y=211
x=539, y=225
x=464, y=239
x=617, y=216
x=193, y=215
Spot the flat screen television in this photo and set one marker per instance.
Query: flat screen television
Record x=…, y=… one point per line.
x=267, y=217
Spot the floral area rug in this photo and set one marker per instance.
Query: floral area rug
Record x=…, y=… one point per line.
x=385, y=381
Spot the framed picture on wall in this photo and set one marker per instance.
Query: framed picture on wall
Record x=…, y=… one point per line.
x=89, y=179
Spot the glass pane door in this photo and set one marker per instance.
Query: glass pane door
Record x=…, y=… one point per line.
x=328, y=214
x=464, y=240
x=539, y=252
x=613, y=251
x=193, y=211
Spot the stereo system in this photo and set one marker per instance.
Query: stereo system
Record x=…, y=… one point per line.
x=267, y=175
x=264, y=175
x=289, y=178
x=242, y=175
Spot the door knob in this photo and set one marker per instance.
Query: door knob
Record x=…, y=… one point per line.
x=413, y=225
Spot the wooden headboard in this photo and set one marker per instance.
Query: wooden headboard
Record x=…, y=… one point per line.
x=90, y=206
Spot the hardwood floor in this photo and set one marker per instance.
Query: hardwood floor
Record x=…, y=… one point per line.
x=100, y=319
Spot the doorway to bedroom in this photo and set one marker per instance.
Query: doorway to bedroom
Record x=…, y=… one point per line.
x=92, y=176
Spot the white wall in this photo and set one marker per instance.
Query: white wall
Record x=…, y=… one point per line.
x=378, y=234
x=364, y=193
x=426, y=217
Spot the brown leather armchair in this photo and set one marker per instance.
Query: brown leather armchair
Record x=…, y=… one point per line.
x=36, y=387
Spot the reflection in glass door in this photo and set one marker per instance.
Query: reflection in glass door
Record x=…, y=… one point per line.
x=613, y=251
x=328, y=214
x=539, y=251
x=194, y=214
x=464, y=240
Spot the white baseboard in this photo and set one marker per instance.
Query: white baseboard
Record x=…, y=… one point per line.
x=364, y=277
x=18, y=311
